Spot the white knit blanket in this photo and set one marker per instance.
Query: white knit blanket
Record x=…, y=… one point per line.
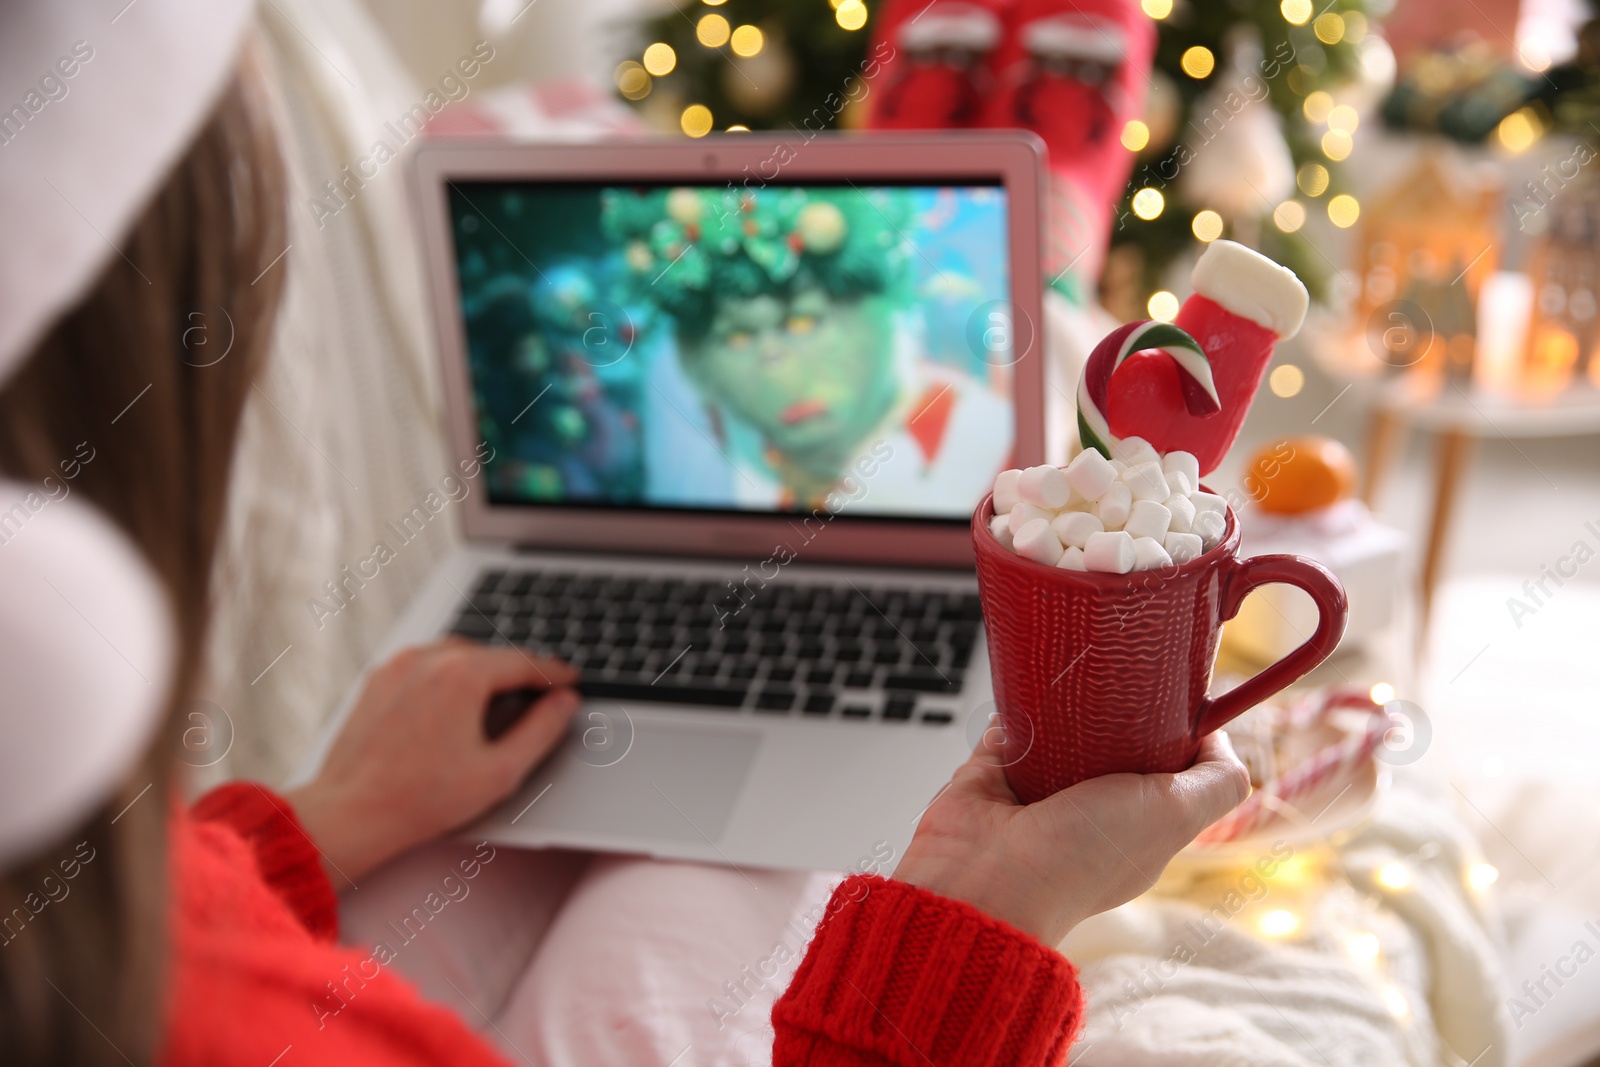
x=1369, y=974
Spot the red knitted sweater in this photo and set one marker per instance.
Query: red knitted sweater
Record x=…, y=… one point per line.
x=895, y=975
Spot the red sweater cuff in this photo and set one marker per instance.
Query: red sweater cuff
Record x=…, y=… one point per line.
x=285, y=854
x=898, y=975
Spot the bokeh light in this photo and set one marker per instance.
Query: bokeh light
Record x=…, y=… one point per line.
x=633, y=81
x=1198, y=62
x=1394, y=875
x=1286, y=380
x=1329, y=27
x=1344, y=117
x=1518, y=130
x=748, y=41
x=1163, y=306
x=1336, y=145
x=1157, y=9
x=851, y=14
x=1289, y=216
x=1135, y=135
x=660, y=59
x=696, y=120
x=1344, y=210
x=1207, y=225
x=1317, y=105
x=1296, y=12
x=1312, y=179
x=1279, y=922
x=712, y=31
x=1148, y=202
x=1481, y=876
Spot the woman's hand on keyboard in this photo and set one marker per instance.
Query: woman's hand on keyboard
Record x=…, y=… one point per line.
x=1045, y=867
x=413, y=761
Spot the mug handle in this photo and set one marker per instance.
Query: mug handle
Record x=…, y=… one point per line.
x=1244, y=577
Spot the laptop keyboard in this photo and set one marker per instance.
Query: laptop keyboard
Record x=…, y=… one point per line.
x=848, y=651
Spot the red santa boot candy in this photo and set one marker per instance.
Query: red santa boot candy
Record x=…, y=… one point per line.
x=1243, y=304
x=936, y=72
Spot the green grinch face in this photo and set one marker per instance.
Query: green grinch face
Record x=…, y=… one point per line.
x=811, y=373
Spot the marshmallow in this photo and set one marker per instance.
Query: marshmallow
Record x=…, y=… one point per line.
x=1179, y=483
x=1134, y=451
x=1036, y=542
x=1182, y=509
x=1024, y=513
x=1072, y=560
x=1183, y=463
x=1148, y=482
x=1005, y=491
x=1119, y=465
x=1001, y=530
x=1148, y=555
x=1045, y=486
x=1210, y=518
x=1112, y=508
x=1074, y=527
x=1111, y=552
x=1208, y=502
x=1090, y=474
x=1148, y=519
x=1183, y=547
x=1210, y=525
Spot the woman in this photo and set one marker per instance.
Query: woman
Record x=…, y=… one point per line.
x=206, y=935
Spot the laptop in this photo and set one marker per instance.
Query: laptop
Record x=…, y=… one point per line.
x=723, y=410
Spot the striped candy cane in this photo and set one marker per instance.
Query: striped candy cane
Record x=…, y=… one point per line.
x=1199, y=392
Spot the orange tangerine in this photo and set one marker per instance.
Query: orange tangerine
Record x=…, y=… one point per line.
x=1300, y=474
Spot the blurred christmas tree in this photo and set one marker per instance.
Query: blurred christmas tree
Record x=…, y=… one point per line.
x=750, y=64
x=1242, y=136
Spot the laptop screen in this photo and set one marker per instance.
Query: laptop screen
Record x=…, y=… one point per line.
x=726, y=349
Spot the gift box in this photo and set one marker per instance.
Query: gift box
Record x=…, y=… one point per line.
x=1363, y=553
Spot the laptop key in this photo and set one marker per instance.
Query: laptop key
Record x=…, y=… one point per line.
x=858, y=680
x=474, y=627
x=856, y=711
x=775, y=700
x=818, y=704
x=925, y=680
x=899, y=706
x=718, y=696
x=780, y=674
x=937, y=716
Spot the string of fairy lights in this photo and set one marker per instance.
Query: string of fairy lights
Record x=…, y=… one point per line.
x=635, y=79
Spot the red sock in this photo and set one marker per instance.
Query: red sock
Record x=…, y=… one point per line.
x=939, y=76
x=1075, y=72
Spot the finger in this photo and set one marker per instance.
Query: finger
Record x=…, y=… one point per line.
x=513, y=668
x=1215, y=785
x=538, y=732
x=983, y=774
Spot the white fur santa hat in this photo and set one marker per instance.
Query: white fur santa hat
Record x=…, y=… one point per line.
x=98, y=100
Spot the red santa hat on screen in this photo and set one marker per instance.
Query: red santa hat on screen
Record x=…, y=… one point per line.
x=98, y=100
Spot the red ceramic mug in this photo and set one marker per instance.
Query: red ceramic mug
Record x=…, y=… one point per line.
x=1097, y=673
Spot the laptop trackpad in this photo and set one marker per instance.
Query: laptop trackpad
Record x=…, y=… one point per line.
x=671, y=782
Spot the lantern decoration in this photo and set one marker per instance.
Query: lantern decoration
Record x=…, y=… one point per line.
x=1425, y=249
x=1564, y=267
